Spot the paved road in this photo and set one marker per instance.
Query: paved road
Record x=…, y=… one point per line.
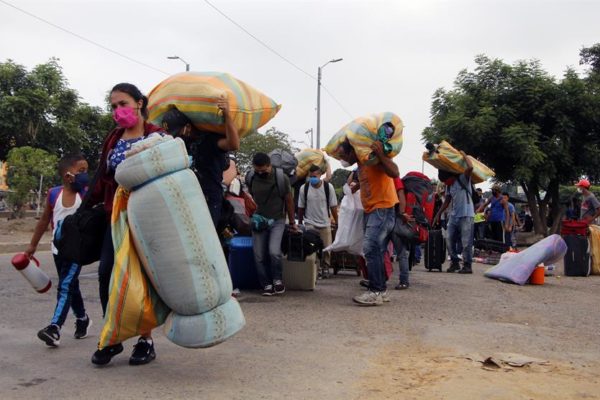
x=308, y=345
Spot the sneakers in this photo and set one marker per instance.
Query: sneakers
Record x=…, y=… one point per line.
x=402, y=286
x=279, y=287
x=143, y=352
x=385, y=296
x=81, y=327
x=369, y=298
x=466, y=269
x=268, y=290
x=453, y=267
x=103, y=357
x=50, y=335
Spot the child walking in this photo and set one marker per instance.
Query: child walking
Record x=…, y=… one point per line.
x=63, y=201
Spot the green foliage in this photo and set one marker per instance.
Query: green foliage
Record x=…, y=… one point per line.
x=339, y=177
x=261, y=142
x=25, y=166
x=524, y=124
x=38, y=109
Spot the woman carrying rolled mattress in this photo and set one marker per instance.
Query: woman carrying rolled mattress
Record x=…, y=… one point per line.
x=130, y=112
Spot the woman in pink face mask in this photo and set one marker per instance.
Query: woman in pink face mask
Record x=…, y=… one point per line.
x=130, y=112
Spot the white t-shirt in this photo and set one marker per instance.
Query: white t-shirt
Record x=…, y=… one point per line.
x=60, y=212
x=317, y=211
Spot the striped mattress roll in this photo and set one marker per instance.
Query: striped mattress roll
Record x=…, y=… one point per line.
x=195, y=94
x=308, y=157
x=447, y=158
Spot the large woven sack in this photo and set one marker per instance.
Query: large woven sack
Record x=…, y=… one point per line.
x=447, y=158
x=362, y=132
x=177, y=243
x=308, y=157
x=518, y=267
x=195, y=94
x=595, y=248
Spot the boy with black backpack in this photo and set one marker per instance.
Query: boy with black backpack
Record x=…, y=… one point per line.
x=317, y=203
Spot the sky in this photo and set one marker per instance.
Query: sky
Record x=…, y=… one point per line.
x=395, y=53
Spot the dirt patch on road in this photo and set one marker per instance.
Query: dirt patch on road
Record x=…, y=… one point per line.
x=15, y=234
x=421, y=372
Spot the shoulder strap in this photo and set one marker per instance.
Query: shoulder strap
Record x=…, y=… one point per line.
x=53, y=195
x=306, y=185
x=279, y=180
x=327, y=189
x=465, y=188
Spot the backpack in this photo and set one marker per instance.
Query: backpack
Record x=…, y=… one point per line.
x=326, y=188
x=420, y=197
x=286, y=161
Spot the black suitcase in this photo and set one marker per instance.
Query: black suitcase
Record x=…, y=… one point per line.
x=577, y=260
x=435, y=250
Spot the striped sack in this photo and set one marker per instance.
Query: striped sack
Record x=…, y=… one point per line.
x=362, y=132
x=308, y=157
x=195, y=94
x=449, y=159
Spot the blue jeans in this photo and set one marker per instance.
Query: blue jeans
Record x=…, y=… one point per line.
x=68, y=295
x=379, y=225
x=267, y=252
x=464, y=227
x=417, y=252
x=402, y=253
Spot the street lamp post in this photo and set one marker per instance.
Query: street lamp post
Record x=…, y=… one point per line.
x=319, y=99
x=187, y=66
x=312, y=143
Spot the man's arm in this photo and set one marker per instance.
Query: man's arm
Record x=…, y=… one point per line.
x=334, y=213
x=469, y=169
x=389, y=167
x=231, y=141
x=480, y=209
x=289, y=200
x=300, y=216
x=445, y=205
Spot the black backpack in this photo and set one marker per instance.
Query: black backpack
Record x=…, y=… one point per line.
x=326, y=188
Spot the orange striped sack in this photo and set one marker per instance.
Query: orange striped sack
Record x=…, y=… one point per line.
x=195, y=94
x=449, y=159
x=134, y=307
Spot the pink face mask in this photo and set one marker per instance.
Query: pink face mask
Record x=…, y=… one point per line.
x=126, y=117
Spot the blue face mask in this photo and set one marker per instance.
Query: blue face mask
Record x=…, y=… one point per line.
x=314, y=180
x=81, y=181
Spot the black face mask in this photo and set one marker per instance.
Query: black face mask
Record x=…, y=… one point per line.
x=262, y=174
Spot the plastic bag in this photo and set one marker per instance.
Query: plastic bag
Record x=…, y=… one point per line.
x=350, y=231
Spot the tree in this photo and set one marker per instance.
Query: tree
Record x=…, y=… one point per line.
x=38, y=109
x=339, y=177
x=528, y=127
x=261, y=142
x=25, y=166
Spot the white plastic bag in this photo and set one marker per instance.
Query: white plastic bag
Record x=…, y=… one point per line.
x=350, y=232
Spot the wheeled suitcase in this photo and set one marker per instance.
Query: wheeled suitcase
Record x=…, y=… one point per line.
x=435, y=250
x=300, y=275
x=295, y=250
x=577, y=260
x=241, y=263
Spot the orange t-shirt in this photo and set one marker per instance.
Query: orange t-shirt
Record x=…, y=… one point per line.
x=377, y=189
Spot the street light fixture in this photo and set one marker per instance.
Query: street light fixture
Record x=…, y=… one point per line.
x=319, y=99
x=312, y=143
x=187, y=66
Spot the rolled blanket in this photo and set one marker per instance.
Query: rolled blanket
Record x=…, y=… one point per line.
x=195, y=94
x=362, y=132
x=177, y=244
x=447, y=158
x=518, y=267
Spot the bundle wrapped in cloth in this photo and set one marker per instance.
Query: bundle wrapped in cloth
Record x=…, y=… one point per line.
x=308, y=157
x=195, y=94
x=362, y=132
x=169, y=265
x=447, y=158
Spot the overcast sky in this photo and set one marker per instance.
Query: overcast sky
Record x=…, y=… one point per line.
x=396, y=53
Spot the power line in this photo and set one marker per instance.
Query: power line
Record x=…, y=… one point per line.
x=82, y=37
x=276, y=53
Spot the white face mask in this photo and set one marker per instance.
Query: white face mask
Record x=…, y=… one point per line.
x=579, y=190
x=345, y=163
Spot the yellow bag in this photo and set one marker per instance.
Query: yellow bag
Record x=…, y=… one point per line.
x=195, y=94
x=362, y=132
x=134, y=307
x=308, y=157
x=595, y=248
x=449, y=159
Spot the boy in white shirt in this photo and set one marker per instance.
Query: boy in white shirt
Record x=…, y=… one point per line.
x=63, y=201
